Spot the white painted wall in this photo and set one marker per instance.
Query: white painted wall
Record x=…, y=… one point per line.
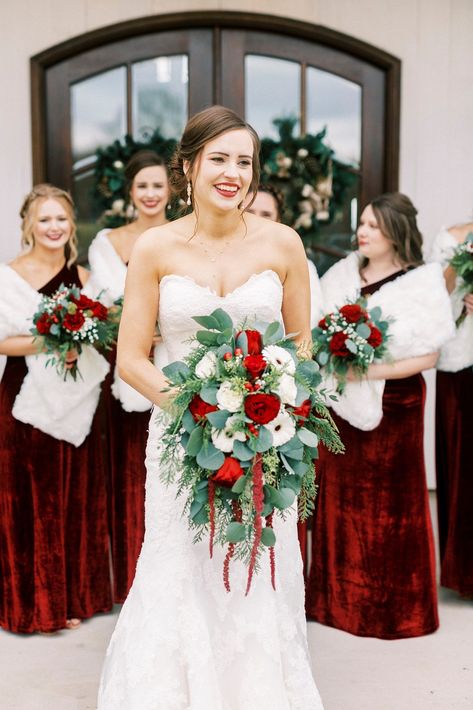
x=433, y=38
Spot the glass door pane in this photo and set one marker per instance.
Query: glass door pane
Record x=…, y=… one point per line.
x=160, y=96
x=272, y=90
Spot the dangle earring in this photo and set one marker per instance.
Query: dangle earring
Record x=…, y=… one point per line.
x=189, y=193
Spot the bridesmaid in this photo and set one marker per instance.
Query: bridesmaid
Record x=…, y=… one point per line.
x=269, y=203
x=373, y=563
x=454, y=420
x=128, y=415
x=54, y=549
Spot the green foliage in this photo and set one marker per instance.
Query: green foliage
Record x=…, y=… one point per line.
x=304, y=168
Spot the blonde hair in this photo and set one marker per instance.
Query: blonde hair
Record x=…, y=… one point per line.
x=29, y=210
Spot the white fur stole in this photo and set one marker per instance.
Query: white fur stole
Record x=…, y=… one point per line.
x=419, y=305
x=109, y=273
x=457, y=353
x=64, y=409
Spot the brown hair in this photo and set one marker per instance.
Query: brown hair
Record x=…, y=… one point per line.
x=276, y=194
x=140, y=160
x=28, y=213
x=200, y=129
x=396, y=218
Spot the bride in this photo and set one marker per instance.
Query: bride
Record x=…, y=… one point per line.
x=182, y=642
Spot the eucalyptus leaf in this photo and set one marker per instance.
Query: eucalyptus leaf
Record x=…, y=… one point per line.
x=208, y=322
x=196, y=507
x=176, y=372
x=185, y=439
x=206, y=337
x=202, y=517
x=209, y=394
x=236, y=532
x=322, y=358
x=210, y=458
x=239, y=486
x=363, y=330
x=302, y=395
x=307, y=437
x=375, y=313
x=223, y=319
x=264, y=441
x=273, y=333
x=351, y=346
x=54, y=329
x=188, y=421
x=242, y=343
x=195, y=442
x=225, y=336
x=292, y=482
x=268, y=537
x=368, y=349
x=219, y=418
x=242, y=451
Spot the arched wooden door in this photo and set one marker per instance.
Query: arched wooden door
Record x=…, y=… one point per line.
x=136, y=76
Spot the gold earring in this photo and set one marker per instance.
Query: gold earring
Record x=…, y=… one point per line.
x=189, y=193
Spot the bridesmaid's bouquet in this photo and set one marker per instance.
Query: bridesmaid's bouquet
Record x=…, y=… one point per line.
x=351, y=336
x=462, y=262
x=242, y=434
x=69, y=320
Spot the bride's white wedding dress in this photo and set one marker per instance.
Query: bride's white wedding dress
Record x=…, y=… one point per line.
x=181, y=641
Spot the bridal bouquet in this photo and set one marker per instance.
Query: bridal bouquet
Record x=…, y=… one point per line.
x=70, y=320
x=242, y=434
x=352, y=337
x=462, y=262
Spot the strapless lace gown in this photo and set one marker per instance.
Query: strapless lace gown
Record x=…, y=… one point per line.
x=181, y=641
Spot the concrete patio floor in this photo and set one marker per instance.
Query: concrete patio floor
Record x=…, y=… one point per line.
x=435, y=672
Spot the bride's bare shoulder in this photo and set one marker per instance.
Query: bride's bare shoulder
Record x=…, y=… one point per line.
x=157, y=242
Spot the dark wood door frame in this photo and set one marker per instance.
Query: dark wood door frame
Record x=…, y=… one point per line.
x=218, y=20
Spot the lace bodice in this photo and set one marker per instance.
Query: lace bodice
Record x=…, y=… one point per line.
x=181, y=298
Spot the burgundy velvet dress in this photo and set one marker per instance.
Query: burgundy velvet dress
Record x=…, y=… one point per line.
x=454, y=459
x=127, y=434
x=54, y=544
x=373, y=564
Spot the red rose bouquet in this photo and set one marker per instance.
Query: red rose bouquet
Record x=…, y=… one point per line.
x=249, y=419
x=69, y=320
x=352, y=337
x=462, y=262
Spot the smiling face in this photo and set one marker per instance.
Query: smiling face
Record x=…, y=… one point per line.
x=223, y=172
x=265, y=205
x=52, y=227
x=150, y=190
x=372, y=243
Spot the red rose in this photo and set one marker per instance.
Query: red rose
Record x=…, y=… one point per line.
x=255, y=364
x=323, y=324
x=376, y=337
x=83, y=302
x=43, y=324
x=228, y=473
x=337, y=345
x=303, y=410
x=199, y=409
x=99, y=311
x=352, y=312
x=74, y=321
x=262, y=408
x=255, y=344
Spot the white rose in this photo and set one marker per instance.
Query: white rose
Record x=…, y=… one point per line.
x=282, y=428
x=287, y=389
x=307, y=190
x=223, y=438
x=118, y=205
x=228, y=398
x=206, y=367
x=118, y=164
x=302, y=152
x=280, y=358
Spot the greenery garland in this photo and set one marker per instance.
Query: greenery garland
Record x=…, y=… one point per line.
x=303, y=168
